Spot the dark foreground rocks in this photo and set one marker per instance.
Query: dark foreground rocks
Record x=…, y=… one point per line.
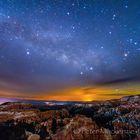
x=102, y=120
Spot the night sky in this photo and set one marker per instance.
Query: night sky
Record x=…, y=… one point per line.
x=52, y=45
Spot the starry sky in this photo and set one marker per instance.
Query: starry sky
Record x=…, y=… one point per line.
x=64, y=49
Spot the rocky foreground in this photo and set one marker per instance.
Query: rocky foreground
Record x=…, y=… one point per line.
x=99, y=120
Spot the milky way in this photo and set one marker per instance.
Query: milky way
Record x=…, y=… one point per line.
x=47, y=45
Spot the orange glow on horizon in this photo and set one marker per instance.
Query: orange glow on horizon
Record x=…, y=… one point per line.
x=88, y=93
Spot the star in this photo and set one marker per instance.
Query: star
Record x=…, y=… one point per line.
x=125, y=54
x=135, y=43
x=126, y=6
x=81, y=73
x=114, y=16
x=68, y=13
x=91, y=68
x=84, y=7
x=73, y=4
x=28, y=53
